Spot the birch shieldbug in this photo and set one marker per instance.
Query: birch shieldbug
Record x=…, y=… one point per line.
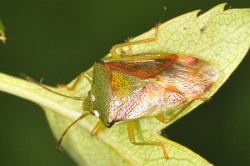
x=128, y=87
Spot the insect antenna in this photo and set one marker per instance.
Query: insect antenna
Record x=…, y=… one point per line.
x=58, y=147
x=50, y=90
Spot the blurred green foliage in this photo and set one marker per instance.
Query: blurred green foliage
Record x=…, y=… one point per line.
x=76, y=33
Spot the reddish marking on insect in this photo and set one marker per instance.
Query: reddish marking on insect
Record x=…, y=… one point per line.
x=145, y=67
x=188, y=60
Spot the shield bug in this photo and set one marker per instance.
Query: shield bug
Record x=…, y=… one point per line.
x=128, y=87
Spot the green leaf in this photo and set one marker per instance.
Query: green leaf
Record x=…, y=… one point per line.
x=217, y=36
x=2, y=34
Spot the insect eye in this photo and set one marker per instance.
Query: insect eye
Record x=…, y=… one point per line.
x=92, y=97
x=96, y=113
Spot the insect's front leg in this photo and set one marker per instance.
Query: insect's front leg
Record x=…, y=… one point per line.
x=99, y=126
x=115, y=54
x=78, y=79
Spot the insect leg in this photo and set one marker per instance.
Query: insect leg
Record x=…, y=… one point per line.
x=123, y=53
x=99, y=126
x=82, y=75
x=163, y=119
x=67, y=129
x=131, y=135
x=115, y=54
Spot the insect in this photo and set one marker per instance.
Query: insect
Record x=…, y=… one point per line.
x=128, y=87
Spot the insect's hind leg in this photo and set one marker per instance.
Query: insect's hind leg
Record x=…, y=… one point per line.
x=131, y=135
x=163, y=119
x=76, y=82
x=114, y=52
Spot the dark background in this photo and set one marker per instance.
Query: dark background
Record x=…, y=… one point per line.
x=57, y=40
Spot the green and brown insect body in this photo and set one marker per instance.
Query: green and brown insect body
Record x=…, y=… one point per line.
x=144, y=85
